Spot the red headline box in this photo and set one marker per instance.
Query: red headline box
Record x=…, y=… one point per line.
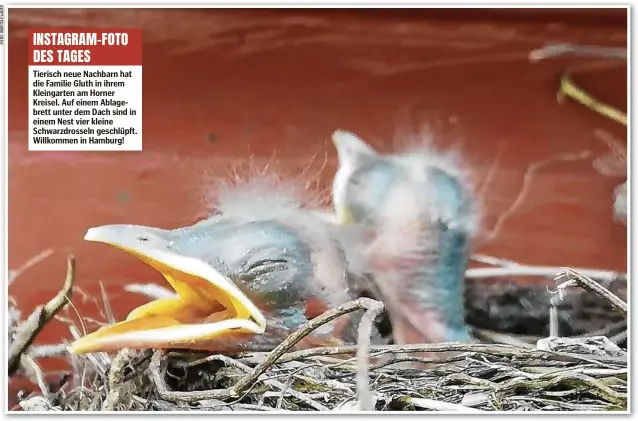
x=85, y=47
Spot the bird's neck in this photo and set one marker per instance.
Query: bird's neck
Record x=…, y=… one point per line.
x=449, y=278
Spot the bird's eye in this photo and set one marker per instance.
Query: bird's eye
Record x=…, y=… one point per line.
x=355, y=181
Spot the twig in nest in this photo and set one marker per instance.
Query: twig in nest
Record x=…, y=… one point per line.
x=573, y=278
x=505, y=267
x=31, y=366
x=44, y=351
x=438, y=405
x=288, y=384
x=553, y=316
x=542, y=271
x=39, y=318
x=116, y=378
x=371, y=306
x=107, y=305
x=493, y=261
x=373, y=309
x=545, y=381
x=497, y=350
x=507, y=339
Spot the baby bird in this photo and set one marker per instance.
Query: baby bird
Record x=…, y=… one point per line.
x=245, y=278
x=412, y=218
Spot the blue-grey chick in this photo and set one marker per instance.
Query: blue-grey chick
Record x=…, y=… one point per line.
x=413, y=217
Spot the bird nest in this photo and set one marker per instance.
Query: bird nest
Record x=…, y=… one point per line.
x=583, y=374
x=554, y=373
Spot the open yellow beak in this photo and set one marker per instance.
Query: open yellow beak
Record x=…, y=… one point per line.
x=207, y=304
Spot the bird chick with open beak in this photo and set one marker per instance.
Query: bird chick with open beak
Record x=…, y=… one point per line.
x=414, y=218
x=245, y=278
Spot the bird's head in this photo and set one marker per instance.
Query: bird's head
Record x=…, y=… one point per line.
x=257, y=269
x=207, y=303
x=418, y=216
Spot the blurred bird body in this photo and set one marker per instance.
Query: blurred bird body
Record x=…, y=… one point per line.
x=245, y=278
x=414, y=219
